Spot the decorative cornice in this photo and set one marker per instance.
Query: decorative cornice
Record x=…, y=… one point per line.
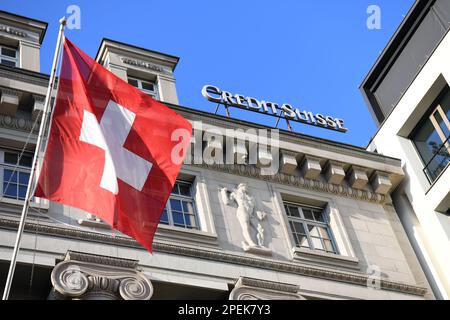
x=300, y=182
x=215, y=255
x=27, y=76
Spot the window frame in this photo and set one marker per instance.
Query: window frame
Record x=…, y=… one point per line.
x=305, y=222
x=8, y=58
x=154, y=94
x=10, y=166
x=191, y=199
x=429, y=115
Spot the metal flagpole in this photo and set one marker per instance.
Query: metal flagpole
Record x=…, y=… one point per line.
x=28, y=196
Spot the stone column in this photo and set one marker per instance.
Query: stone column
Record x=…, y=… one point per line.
x=84, y=276
x=255, y=289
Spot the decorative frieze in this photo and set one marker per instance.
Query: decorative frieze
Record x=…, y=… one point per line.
x=380, y=182
x=310, y=167
x=256, y=289
x=300, y=182
x=288, y=162
x=9, y=102
x=334, y=172
x=357, y=177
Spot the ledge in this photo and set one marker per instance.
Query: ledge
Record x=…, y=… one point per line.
x=189, y=236
x=323, y=258
x=354, y=278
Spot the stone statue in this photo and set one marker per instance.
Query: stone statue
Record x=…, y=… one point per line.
x=249, y=219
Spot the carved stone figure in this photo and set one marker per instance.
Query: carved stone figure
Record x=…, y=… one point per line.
x=249, y=219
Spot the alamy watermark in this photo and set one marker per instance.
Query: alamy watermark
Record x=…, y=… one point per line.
x=222, y=146
x=74, y=17
x=374, y=19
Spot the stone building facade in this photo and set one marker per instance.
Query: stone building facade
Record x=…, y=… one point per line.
x=321, y=227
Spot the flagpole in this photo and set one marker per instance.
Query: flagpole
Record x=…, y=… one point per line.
x=45, y=114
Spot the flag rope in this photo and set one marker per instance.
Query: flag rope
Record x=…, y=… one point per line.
x=46, y=111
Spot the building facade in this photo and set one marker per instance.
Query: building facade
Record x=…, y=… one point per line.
x=321, y=226
x=408, y=93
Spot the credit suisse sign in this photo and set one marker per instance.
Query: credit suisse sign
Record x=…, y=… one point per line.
x=285, y=111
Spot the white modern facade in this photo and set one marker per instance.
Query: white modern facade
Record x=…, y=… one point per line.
x=408, y=94
x=323, y=226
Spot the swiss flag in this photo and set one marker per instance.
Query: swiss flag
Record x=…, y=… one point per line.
x=113, y=151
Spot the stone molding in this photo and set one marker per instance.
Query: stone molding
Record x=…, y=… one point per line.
x=300, y=182
x=255, y=289
x=215, y=255
x=39, y=79
x=86, y=277
x=14, y=123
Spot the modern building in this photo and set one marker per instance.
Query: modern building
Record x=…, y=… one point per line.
x=407, y=91
x=323, y=226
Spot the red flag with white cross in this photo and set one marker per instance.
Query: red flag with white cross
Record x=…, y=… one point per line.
x=113, y=151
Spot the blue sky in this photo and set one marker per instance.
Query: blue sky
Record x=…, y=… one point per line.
x=312, y=54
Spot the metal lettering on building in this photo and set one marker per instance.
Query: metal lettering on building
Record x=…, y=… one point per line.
x=285, y=111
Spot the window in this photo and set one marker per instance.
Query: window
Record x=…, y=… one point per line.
x=147, y=87
x=310, y=228
x=431, y=137
x=9, y=56
x=180, y=209
x=15, y=182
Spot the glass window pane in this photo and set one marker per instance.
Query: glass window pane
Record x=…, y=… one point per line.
x=307, y=213
x=427, y=140
x=8, y=63
x=317, y=243
x=188, y=207
x=11, y=158
x=324, y=233
x=328, y=246
x=313, y=230
x=147, y=86
x=175, y=189
x=319, y=216
x=178, y=218
x=25, y=161
x=303, y=240
x=190, y=221
x=175, y=205
x=133, y=82
x=24, y=178
x=22, y=192
x=442, y=124
x=10, y=190
x=185, y=190
x=8, y=175
x=298, y=226
x=8, y=52
x=293, y=211
x=164, y=217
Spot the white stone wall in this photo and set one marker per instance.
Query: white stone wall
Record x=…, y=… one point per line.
x=428, y=229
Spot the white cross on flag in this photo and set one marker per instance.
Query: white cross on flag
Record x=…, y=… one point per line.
x=113, y=151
